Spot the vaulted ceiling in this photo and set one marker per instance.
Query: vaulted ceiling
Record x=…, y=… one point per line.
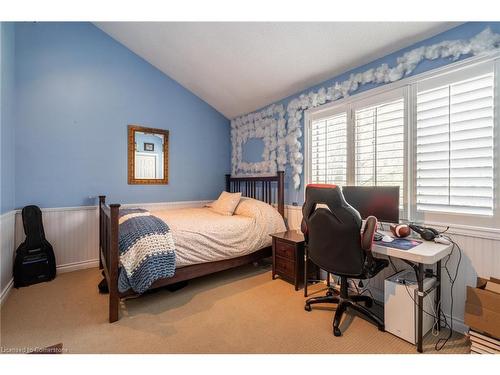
x=240, y=67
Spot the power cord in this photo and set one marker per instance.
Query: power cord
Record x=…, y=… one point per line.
x=452, y=284
x=435, y=326
x=442, y=341
x=446, y=230
x=393, y=266
x=365, y=289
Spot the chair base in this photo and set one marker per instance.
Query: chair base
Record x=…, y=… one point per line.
x=344, y=301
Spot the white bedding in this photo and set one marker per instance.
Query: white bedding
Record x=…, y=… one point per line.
x=201, y=235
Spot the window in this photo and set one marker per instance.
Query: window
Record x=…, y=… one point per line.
x=455, y=147
x=379, y=145
x=329, y=150
x=435, y=136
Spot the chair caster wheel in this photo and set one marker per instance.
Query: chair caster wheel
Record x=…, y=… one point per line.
x=307, y=307
x=336, y=332
x=369, y=303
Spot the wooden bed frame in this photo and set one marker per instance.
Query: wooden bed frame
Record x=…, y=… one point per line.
x=268, y=189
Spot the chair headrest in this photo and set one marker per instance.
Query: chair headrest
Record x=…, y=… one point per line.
x=321, y=186
x=330, y=195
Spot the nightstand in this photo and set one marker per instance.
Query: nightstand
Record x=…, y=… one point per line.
x=288, y=257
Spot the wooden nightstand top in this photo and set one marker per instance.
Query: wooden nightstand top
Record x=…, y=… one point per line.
x=292, y=236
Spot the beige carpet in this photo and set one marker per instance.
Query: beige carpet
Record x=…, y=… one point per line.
x=236, y=311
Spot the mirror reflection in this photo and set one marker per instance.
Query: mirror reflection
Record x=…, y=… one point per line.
x=147, y=155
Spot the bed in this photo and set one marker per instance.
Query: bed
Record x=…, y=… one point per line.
x=206, y=242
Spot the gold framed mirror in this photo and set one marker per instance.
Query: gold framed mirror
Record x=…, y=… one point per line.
x=147, y=155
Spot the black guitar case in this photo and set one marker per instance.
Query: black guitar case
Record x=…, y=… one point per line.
x=35, y=261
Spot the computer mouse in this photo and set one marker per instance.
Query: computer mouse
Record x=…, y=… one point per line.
x=387, y=238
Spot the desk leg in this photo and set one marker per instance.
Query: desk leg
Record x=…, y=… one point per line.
x=305, y=271
x=420, y=277
x=438, y=293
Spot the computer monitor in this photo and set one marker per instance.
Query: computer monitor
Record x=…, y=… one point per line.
x=379, y=201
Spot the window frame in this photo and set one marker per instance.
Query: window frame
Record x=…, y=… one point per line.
x=373, y=100
x=409, y=86
x=329, y=112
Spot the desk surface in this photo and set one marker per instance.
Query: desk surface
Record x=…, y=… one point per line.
x=428, y=252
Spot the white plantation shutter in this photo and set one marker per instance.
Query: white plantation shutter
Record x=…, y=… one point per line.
x=379, y=133
x=329, y=149
x=455, y=145
x=436, y=136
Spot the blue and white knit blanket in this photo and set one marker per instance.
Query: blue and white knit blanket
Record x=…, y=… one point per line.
x=147, y=250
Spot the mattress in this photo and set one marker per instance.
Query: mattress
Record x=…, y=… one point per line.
x=201, y=235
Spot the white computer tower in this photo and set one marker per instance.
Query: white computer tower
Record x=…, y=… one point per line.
x=400, y=311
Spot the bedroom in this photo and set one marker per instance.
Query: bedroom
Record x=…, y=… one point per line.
x=164, y=186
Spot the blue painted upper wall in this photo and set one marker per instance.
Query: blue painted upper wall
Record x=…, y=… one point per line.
x=77, y=89
x=7, y=118
x=463, y=31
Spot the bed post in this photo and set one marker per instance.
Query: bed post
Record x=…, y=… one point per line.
x=281, y=193
x=114, y=298
x=228, y=183
x=102, y=202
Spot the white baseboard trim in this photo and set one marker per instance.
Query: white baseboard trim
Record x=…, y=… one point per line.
x=6, y=291
x=70, y=267
x=63, y=268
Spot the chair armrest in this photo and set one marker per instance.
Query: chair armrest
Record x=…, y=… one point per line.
x=304, y=229
x=368, y=233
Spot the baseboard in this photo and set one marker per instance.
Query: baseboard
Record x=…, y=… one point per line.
x=70, y=267
x=458, y=325
x=63, y=268
x=6, y=291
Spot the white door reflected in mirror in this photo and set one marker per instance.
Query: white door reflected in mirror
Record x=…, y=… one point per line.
x=148, y=155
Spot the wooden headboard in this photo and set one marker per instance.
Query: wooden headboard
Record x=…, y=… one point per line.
x=269, y=189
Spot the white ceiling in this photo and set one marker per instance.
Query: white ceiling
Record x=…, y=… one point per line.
x=240, y=67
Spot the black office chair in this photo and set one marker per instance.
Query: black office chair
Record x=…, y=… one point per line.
x=335, y=243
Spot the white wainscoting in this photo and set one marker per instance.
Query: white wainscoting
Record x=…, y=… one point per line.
x=480, y=257
x=73, y=233
x=7, y=230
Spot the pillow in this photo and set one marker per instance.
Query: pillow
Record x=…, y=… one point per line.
x=226, y=203
x=266, y=216
x=250, y=207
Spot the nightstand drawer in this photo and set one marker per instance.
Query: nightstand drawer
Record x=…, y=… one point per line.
x=285, y=266
x=288, y=256
x=285, y=250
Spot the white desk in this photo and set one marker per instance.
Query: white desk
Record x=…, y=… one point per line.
x=428, y=252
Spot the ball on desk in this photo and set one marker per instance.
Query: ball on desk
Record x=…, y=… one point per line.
x=400, y=230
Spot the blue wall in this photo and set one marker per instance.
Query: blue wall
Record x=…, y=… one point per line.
x=252, y=150
x=7, y=118
x=77, y=90
x=463, y=31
